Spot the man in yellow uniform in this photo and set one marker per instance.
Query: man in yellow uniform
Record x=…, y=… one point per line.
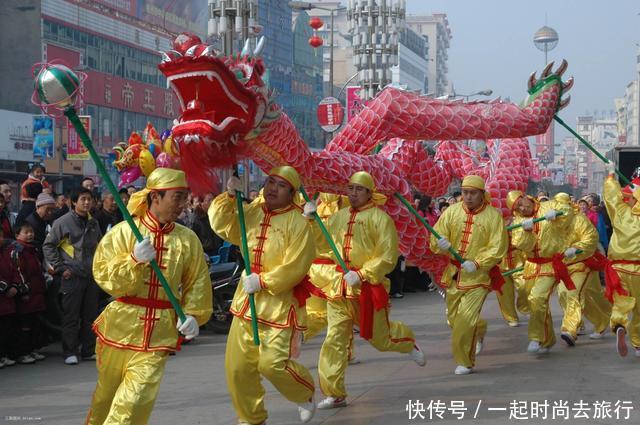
x=545, y=244
x=137, y=331
x=582, y=236
x=507, y=299
x=624, y=253
x=281, y=250
x=367, y=239
x=476, y=230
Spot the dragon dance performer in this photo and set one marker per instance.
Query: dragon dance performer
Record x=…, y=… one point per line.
x=624, y=253
x=281, y=250
x=476, y=230
x=507, y=299
x=137, y=332
x=368, y=241
x=582, y=236
x=545, y=244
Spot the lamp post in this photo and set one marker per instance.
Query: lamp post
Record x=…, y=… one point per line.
x=375, y=25
x=303, y=5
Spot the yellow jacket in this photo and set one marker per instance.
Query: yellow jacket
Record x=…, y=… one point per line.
x=478, y=236
x=625, y=241
x=367, y=239
x=584, y=236
x=281, y=250
x=128, y=323
x=546, y=239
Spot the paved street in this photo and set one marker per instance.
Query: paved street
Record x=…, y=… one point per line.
x=194, y=389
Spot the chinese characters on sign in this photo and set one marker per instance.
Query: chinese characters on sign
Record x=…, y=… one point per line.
x=75, y=148
x=521, y=410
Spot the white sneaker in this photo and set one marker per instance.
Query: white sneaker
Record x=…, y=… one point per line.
x=354, y=360
x=26, y=359
x=534, y=347
x=513, y=324
x=8, y=362
x=637, y=350
x=307, y=410
x=597, y=335
x=418, y=356
x=582, y=330
x=332, y=403
x=71, y=360
x=544, y=350
x=38, y=356
x=479, y=346
x=462, y=370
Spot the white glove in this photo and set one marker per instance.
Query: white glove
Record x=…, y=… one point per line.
x=444, y=244
x=189, y=328
x=144, y=251
x=610, y=167
x=469, y=266
x=234, y=184
x=570, y=252
x=527, y=224
x=550, y=215
x=310, y=209
x=352, y=278
x=251, y=283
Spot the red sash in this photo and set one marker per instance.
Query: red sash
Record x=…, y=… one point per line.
x=611, y=277
x=146, y=302
x=372, y=299
x=560, y=269
x=497, y=280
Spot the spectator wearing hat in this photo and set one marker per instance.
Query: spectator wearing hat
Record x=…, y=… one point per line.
x=40, y=219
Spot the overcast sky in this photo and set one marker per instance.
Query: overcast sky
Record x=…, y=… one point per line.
x=492, y=46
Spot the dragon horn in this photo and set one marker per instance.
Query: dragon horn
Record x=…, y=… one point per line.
x=191, y=51
x=174, y=52
x=165, y=57
x=532, y=80
x=246, y=50
x=566, y=86
x=564, y=102
x=209, y=51
x=562, y=68
x=259, y=47
x=547, y=70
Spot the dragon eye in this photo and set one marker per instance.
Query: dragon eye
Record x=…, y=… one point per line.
x=239, y=74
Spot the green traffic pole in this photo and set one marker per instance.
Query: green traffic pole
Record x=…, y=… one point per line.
x=519, y=269
x=427, y=225
x=86, y=141
x=247, y=266
x=591, y=148
x=535, y=220
x=326, y=234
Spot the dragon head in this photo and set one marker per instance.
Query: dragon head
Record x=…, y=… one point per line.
x=222, y=98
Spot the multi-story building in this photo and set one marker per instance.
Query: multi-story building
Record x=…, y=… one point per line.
x=438, y=36
x=116, y=44
x=411, y=72
x=603, y=135
x=306, y=85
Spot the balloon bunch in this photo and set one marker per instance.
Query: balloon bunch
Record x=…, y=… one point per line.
x=144, y=153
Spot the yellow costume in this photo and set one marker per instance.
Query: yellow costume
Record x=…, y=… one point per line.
x=367, y=239
x=507, y=300
x=478, y=236
x=544, y=246
x=281, y=250
x=624, y=252
x=583, y=236
x=138, y=330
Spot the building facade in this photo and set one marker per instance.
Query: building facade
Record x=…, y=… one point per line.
x=438, y=36
x=411, y=72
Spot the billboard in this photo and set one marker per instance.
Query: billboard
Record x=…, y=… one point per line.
x=43, y=126
x=75, y=148
x=354, y=103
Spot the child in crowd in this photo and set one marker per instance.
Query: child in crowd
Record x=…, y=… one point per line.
x=8, y=317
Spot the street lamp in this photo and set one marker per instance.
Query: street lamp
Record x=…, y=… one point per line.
x=375, y=25
x=486, y=92
x=304, y=5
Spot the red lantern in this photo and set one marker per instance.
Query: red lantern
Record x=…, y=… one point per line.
x=315, y=22
x=315, y=41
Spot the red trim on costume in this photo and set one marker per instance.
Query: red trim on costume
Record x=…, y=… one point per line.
x=323, y=261
x=144, y=302
x=300, y=379
x=497, y=280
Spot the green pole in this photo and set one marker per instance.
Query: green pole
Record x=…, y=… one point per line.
x=591, y=148
x=535, y=220
x=425, y=224
x=86, y=141
x=326, y=234
x=247, y=266
x=519, y=269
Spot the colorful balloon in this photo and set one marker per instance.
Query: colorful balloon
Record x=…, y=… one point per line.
x=129, y=175
x=164, y=160
x=147, y=162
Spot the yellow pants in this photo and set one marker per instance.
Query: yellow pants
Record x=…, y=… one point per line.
x=623, y=305
x=522, y=289
x=341, y=316
x=245, y=364
x=540, y=322
x=463, y=315
x=586, y=301
x=597, y=309
x=127, y=387
x=507, y=301
x=316, y=316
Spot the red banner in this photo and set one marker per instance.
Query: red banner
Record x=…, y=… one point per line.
x=75, y=148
